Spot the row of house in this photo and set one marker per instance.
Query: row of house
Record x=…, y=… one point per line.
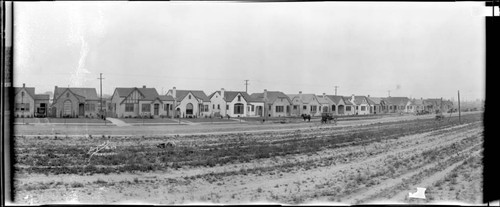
x=143, y=101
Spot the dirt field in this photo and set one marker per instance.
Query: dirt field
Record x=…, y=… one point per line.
x=360, y=161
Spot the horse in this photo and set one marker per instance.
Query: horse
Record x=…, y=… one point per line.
x=306, y=116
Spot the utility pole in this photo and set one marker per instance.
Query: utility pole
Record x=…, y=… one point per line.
x=336, y=89
x=100, y=78
x=459, y=120
x=246, y=86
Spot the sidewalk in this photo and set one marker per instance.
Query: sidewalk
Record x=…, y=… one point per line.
x=118, y=122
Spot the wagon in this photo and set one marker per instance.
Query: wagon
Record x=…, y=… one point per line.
x=328, y=117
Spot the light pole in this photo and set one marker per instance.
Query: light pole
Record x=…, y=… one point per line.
x=22, y=103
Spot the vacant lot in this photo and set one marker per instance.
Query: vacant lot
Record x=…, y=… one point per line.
x=351, y=163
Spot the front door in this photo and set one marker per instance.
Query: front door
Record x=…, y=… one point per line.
x=81, y=109
x=156, y=109
x=67, y=108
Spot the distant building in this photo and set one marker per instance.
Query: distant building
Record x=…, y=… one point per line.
x=361, y=105
x=276, y=103
x=232, y=103
x=140, y=102
x=305, y=104
x=326, y=103
x=338, y=104
x=190, y=103
x=396, y=104
x=376, y=105
x=75, y=102
x=29, y=104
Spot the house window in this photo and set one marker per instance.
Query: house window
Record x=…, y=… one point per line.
x=314, y=109
x=146, y=107
x=206, y=108
x=238, y=108
x=270, y=107
x=279, y=109
x=166, y=107
x=67, y=95
x=357, y=108
x=227, y=107
x=304, y=107
x=129, y=107
x=363, y=108
x=218, y=106
x=253, y=108
x=333, y=107
x=239, y=98
x=189, y=97
x=295, y=107
x=213, y=106
x=348, y=108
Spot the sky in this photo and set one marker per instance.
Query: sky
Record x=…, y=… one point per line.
x=427, y=50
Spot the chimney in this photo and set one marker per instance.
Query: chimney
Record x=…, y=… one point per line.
x=174, y=92
x=24, y=85
x=368, y=95
x=352, y=98
x=143, y=86
x=265, y=94
x=324, y=95
x=300, y=95
x=222, y=92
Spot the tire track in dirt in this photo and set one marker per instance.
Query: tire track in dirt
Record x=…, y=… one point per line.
x=269, y=181
x=429, y=181
x=387, y=184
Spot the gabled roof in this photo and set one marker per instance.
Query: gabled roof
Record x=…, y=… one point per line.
x=358, y=100
x=306, y=98
x=181, y=94
x=272, y=96
x=230, y=95
x=375, y=100
x=335, y=99
x=347, y=100
x=163, y=98
x=324, y=100
x=87, y=93
x=29, y=90
x=148, y=93
x=396, y=100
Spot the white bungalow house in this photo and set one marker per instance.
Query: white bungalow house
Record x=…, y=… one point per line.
x=276, y=103
x=350, y=108
x=361, y=105
x=232, y=103
x=338, y=106
x=139, y=102
x=326, y=103
x=190, y=103
x=305, y=104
